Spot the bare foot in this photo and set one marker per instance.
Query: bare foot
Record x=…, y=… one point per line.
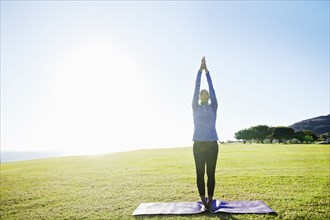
x=209, y=205
x=204, y=202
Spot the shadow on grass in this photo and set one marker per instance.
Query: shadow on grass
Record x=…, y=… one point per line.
x=220, y=215
x=229, y=216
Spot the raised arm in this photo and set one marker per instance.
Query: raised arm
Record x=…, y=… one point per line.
x=213, y=98
x=198, y=84
x=197, y=88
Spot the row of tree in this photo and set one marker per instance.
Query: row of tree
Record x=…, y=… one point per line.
x=262, y=133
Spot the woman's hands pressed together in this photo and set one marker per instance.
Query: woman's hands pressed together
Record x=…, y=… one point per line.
x=203, y=66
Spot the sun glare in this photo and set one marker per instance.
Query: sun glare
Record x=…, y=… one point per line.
x=94, y=98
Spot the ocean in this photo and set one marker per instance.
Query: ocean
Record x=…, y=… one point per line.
x=10, y=156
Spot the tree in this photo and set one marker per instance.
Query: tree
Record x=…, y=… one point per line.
x=308, y=139
x=282, y=133
x=305, y=136
x=325, y=136
x=300, y=136
x=313, y=136
x=244, y=134
x=270, y=134
x=260, y=132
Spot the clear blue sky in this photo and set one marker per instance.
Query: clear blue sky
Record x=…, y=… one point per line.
x=105, y=76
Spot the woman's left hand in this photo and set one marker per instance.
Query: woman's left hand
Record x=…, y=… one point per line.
x=204, y=65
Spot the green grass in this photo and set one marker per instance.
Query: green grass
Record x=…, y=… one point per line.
x=291, y=179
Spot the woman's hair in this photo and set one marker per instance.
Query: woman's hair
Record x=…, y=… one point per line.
x=204, y=90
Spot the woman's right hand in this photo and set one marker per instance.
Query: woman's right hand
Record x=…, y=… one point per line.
x=205, y=68
x=202, y=64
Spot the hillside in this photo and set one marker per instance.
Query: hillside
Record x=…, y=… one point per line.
x=319, y=125
x=291, y=179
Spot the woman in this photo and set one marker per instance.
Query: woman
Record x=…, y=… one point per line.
x=205, y=136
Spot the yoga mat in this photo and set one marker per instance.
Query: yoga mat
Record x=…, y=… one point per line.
x=181, y=208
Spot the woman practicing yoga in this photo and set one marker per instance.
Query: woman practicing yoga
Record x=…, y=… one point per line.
x=205, y=136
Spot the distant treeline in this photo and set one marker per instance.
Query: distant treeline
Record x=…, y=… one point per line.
x=281, y=134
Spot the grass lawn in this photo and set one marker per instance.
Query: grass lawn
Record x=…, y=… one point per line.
x=292, y=179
